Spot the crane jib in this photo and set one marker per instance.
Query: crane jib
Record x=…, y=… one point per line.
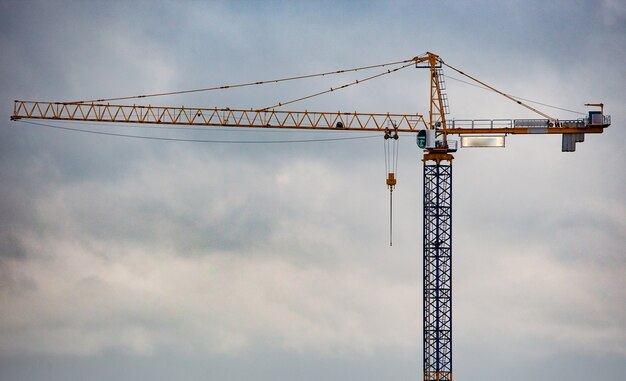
x=226, y=117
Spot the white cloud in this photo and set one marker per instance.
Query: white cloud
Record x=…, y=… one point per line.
x=107, y=269
x=80, y=303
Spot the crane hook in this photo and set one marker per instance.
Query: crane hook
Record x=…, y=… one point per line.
x=391, y=163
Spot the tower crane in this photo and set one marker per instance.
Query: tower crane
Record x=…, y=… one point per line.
x=433, y=133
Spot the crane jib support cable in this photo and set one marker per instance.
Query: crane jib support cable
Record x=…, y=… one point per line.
x=356, y=82
x=519, y=102
x=225, y=87
x=516, y=97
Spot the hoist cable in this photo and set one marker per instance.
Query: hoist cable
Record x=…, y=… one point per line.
x=245, y=84
x=202, y=140
x=397, y=150
x=356, y=82
x=500, y=92
x=516, y=97
x=390, y=218
x=391, y=146
x=386, y=147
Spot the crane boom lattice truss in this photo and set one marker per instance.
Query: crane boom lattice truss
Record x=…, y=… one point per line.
x=314, y=120
x=215, y=117
x=437, y=167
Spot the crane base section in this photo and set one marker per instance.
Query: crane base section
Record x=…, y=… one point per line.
x=437, y=267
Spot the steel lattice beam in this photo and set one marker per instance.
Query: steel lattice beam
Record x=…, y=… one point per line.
x=437, y=268
x=226, y=117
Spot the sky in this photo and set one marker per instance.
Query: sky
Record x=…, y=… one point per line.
x=130, y=259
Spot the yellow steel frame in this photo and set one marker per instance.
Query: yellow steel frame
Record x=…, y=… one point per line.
x=226, y=117
x=214, y=117
x=437, y=113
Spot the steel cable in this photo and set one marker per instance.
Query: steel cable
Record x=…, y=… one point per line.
x=202, y=140
x=245, y=84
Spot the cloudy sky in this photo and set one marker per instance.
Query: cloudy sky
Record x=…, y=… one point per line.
x=136, y=259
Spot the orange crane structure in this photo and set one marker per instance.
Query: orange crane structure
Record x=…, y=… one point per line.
x=433, y=131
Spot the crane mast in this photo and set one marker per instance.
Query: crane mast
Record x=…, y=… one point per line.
x=437, y=268
x=432, y=136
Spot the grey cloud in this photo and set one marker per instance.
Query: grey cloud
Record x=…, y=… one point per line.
x=275, y=257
